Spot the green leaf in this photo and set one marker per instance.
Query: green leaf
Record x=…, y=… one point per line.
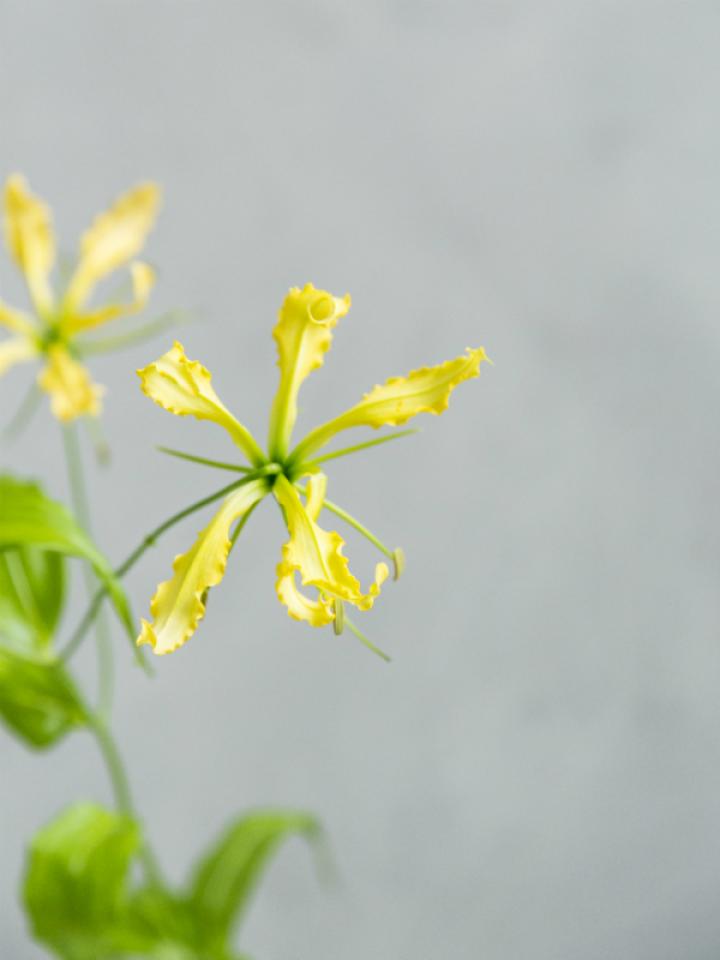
x=162, y=919
x=29, y=518
x=75, y=884
x=32, y=592
x=38, y=700
x=226, y=877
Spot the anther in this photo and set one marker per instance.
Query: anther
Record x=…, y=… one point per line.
x=339, y=621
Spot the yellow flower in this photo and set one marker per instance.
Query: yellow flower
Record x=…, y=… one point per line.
x=312, y=555
x=52, y=332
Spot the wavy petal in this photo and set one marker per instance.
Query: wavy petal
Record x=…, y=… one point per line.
x=114, y=238
x=184, y=387
x=303, y=335
x=318, y=613
x=316, y=555
x=15, y=350
x=423, y=391
x=143, y=280
x=179, y=603
x=30, y=239
x=72, y=392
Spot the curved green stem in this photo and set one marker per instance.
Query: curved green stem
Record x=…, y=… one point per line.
x=149, y=541
x=99, y=719
x=121, y=789
x=78, y=493
x=24, y=413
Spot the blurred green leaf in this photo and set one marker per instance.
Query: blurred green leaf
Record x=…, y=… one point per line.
x=32, y=591
x=75, y=884
x=227, y=876
x=77, y=898
x=38, y=700
x=173, y=929
x=29, y=518
x=163, y=919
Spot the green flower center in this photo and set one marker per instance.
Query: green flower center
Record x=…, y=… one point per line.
x=50, y=336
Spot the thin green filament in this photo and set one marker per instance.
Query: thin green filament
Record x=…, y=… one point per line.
x=346, y=451
x=348, y=518
x=364, y=640
x=218, y=464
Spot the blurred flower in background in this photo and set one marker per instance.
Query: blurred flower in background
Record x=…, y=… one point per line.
x=54, y=331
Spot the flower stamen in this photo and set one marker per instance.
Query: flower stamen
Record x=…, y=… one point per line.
x=339, y=621
x=367, y=643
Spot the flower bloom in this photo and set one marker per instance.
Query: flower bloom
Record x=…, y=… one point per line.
x=312, y=555
x=53, y=332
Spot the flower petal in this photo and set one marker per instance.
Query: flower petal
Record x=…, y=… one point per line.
x=316, y=490
x=316, y=555
x=382, y=572
x=143, y=280
x=423, y=391
x=179, y=603
x=303, y=335
x=184, y=387
x=72, y=392
x=30, y=239
x=318, y=613
x=15, y=320
x=115, y=237
x=15, y=350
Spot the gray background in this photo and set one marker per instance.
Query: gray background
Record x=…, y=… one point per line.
x=537, y=774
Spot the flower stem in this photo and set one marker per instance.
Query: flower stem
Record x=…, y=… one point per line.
x=99, y=719
x=22, y=416
x=78, y=493
x=150, y=539
x=147, y=541
x=121, y=789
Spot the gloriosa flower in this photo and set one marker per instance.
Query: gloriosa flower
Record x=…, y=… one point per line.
x=303, y=335
x=51, y=332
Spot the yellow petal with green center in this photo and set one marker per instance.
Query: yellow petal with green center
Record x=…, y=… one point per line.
x=316, y=555
x=179, y=603
x=115, y=238
x=15, y=350
x=184, y=387
x=398, y=400
x=72, y=392
x=143, y=280
x=30, y=239
x=303, y=335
